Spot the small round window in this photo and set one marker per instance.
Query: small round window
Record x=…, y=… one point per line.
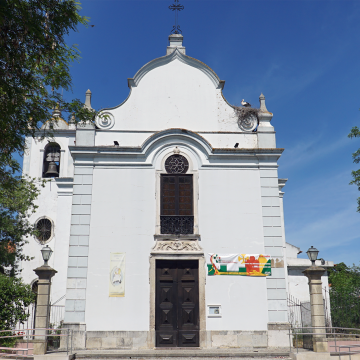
x=176, y=164
x=44, y=230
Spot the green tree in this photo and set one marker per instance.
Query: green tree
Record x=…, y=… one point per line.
x=344, y=285
x=17, y=196
x=345, y=279
x=355, y=132
x=34, y=68
x=15, y=297
x=34, y=65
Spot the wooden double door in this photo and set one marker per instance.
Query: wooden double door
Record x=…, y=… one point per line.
x=177, y=303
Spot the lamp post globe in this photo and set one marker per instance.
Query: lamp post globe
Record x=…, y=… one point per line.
x=312, y=253
x=46, y=253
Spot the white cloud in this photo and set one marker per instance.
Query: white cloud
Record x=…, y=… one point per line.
x=310, y=150
x=323, y=213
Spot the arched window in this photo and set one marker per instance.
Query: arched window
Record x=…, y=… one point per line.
x=44, y=230
x=51, y=165
x=177, y=203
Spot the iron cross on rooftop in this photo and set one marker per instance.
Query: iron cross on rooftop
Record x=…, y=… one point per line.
x=176, y=7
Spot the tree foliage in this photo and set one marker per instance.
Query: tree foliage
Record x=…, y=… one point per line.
x=15, y=297
x=344, y=285
x=355, y=132
x=17, y=197
x=345, y=279
x=34, y=69
x=34, y=65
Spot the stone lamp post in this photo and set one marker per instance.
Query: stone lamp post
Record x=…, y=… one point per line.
x=42, y=314
x=314, y=274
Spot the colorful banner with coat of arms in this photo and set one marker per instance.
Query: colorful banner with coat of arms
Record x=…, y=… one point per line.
x=239, y=264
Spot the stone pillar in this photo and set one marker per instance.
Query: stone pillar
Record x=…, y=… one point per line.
x=314, y=274
x=265, y=131
x=42, y=314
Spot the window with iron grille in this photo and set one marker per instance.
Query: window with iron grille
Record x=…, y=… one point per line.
x=177, y=205
x=44, y=230
x=176, y=164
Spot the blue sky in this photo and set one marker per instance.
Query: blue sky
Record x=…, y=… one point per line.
x=304, y=57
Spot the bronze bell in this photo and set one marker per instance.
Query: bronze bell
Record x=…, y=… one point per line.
x=52, y=170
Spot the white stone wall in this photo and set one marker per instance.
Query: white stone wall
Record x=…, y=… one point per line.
x=137, y=138
x=175, y=94
x=34, y=155
x=273, y=241
x=122, y=220
x=230, y=222
x=110, y=201
x=124, y=205
x=79, y=245
x=53, y=202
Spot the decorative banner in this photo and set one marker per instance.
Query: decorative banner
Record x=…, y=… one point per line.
x=117, y=275
x=239, y=264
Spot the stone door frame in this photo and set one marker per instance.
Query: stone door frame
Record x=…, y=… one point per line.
x=177, y=255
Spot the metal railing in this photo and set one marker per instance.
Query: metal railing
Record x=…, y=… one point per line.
x=57, y=314
x=299, y=312
x=345, y=308
x=176, y=224
x=29, y=323
x=26, y=336
x=337, y=339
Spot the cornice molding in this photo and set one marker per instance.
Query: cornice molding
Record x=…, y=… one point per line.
x=65, y=186
x=177, y=134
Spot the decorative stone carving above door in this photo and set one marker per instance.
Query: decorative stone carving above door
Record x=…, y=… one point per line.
x=187, y=246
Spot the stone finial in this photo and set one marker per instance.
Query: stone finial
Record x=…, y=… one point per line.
x=56, y=112
x=88, y=99
x=175, y=42
x=72, y=122
x=265, y=131
x=262, y=103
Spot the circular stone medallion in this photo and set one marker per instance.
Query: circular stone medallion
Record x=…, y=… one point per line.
x=248, y=123
x=105, y=120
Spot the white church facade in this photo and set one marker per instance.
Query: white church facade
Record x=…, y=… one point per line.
x=166, y=217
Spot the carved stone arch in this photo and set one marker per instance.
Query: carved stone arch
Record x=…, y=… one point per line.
x=52, y=143
x=193, y=150
x=176, y=137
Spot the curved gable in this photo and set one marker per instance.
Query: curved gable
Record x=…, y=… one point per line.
x=177, y=55
x=174, y=91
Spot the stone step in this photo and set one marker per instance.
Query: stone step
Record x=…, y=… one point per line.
x=182, y=354
x=243, y=357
